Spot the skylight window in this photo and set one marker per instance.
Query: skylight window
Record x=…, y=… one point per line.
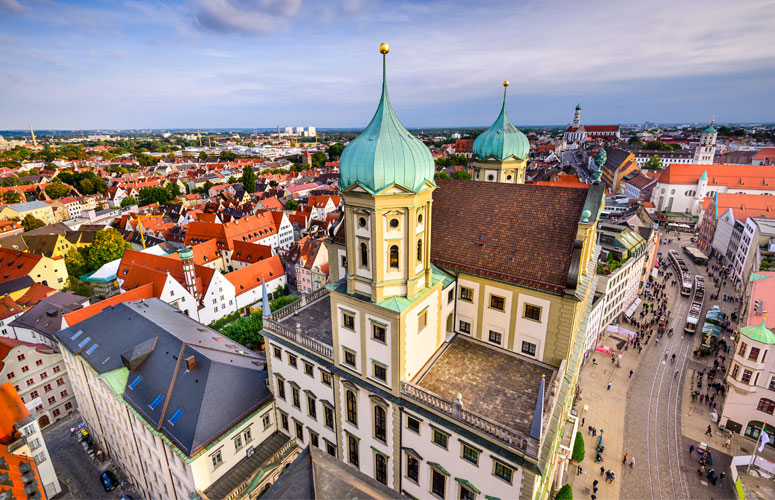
x=136, y=381
x=176, y=416
x=76, y=335
x=84, y=342
x=92, y=348
x=158, y=399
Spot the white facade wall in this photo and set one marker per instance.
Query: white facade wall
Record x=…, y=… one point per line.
x=254, y=295
x=8, y=331
x=724, y=228
x=39, y=452
x=593, y=326
x=620, y=288
x=219, y=300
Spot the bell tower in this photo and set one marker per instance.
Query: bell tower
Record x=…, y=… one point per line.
x=706, y=149
x=387, y=183
x=577, y=116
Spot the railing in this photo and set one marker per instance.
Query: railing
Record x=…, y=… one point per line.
x=282, y=452
x=314, y=345
x=488, y=426
x=304, y=299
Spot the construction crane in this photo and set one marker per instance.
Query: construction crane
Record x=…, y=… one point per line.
x=200, y=138
x=34, y=141
x=209, y=144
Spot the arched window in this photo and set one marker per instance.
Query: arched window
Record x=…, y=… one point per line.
x=766, y=405
x=379, y=423
x=352, y=408
x=419, y=250
x=364, y=255
x=394, y=257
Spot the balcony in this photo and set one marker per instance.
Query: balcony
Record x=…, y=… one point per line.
x=306, y=322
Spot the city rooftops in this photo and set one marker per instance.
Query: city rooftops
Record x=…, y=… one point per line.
x=26, y=207
x=504, y=387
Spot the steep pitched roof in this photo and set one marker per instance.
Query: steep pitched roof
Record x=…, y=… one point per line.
x=13, y=412
x=733, y=176
x=245, y=251
x=137, y=268
x=249, y=277
x=15, y=264
x=525, y=235
x=141, y=292
x=8, y=307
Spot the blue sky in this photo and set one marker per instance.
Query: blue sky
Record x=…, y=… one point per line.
x=259, y=63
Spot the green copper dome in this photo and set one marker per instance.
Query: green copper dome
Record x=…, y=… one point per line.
x=578, y=106
x=709, y=130
x=385, y=153
x=502, y=140
x=759, y=333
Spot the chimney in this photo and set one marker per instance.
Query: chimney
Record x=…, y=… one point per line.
x=190, y=363
x=187, y=258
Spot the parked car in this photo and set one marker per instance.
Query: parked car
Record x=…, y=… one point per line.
x=108, y=480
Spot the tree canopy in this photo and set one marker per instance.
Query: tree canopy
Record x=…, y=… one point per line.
x=335, y=150
x=128, y=201
x=564, y=493
x=441, y=175
x=108, y=245
x=653, y=163
x=31, y=222
x=578, y=448
x=249, y=179
x=84, y=182
x=661, y=146
x=57, y=189
x=291, y=205
x=462, y=175
x=154, y=194
x=10, y=197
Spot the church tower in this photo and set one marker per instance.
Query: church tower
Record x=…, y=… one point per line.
x=501, y=151
x=386, y=176
x=577, y=116
x=706, y=149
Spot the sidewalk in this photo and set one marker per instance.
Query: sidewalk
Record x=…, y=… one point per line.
x=604, y=410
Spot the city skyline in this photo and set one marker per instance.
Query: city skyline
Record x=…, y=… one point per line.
x=247, y=64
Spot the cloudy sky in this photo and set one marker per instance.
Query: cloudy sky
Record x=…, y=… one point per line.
x=259, y=63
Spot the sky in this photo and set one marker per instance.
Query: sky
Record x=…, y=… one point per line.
x=261, y=63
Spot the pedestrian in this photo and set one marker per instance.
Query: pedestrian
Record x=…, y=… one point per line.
x=613, y=359
x=609, y=386
x=582, y=421
x=589, y=430
x=691, y=449
x=594, y=483
x=708, y=432
x=631, y=372
x=579, y=471
x=632, y=462
x=602, y=471
x=594, y=431
x=594, y=362
x=721, y=476
x=624, y=460
x=607, y=476
x=613, y=476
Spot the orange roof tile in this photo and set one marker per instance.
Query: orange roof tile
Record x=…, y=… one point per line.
x=734, y=176
x=16, y=486
x=35, y=294
x=13, y=412
x=142, y=292
x=250, y=252
x=249, y=277
x=204, y=253
x=15, y=264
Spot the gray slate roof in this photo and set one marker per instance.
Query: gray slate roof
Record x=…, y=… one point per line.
x=154, y=341
x=45, y=317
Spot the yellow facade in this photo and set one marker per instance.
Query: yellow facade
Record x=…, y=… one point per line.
x=511, y=171
x=43, y=213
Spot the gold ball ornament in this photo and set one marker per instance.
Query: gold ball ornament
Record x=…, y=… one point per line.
x=384, y=48
x=506, y=83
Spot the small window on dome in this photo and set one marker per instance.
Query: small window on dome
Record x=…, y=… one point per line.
x=490, y=177
x=508, y=177
x=362, y=222
x=394, y=223
x=419, y=219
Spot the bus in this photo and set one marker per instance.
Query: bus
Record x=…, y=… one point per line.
x=697, y=255
x=682, y=270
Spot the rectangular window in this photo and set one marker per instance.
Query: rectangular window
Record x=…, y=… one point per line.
x=747, y=376
x=296, y=398
x=496, y=337
x=280, y=388
x=528, y=348
x=331, y=449
x=20, y=357
x=503, y=472
x=43, y=375
x=422, y=320
x=440, y=438
x=136, y=381
x=378, y=332
x=158, y=399
x=309, y=369
x=68, y=405
x=57, y=369
x=216, y=459
x=56, y=412
x=465, y=327
x=348, y=321
x=284, y=420
x=532, y=312
x=380, y=372
x=772, y=384
x=754, y=354
x=92, y=348
x=466, y=294
x=30, y=381
x=743, y=347
x=325, y=378
x=299, y=431
x=292, y=360
x=412, y=424
x=25, y=369
x=267, y=420
x=349, y=358
x=328, y=415
x=466, y=493
x=278, y=353
x=313, y=439
x=176, y=416
x=497, y=303
x=248, y=435
x=52, y=400
x=438, y=483
x=470, y=454
x=311, y=407
x=47, y=388
x=450, y=295
x=238, y=442
x=34, y=394
x=64, y=394
x=380, y=468
x=352, y=450
x=412, y=468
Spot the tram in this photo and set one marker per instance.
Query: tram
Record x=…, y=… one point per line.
x=695, y=309
x=683, y=271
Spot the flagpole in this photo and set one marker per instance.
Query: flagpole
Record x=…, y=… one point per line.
x=756, y=449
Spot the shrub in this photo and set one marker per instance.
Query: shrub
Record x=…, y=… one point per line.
x=578, y=448
x=564, y=493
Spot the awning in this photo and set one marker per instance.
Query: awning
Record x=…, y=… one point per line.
x=632, y=308
x=654, y=273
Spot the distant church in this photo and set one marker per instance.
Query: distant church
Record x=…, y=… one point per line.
x=577, y=133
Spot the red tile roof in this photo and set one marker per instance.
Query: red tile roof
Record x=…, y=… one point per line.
x=142, y=292
x=13, y=412
x=249, y=277
x=204, y=253
x=137, y=268
x=250, y=228
x=8, y=307
x=15, y=264
x=250, y=252
x=734, y=176
x=320, y=201
x=16, y=485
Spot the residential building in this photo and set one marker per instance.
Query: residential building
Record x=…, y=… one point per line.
x=749, y=402
x=678, y=156
x=756, y=234
x=500, y=153
x=639, y=186
x=303, y=257
x=322, y=205
x=618, y=165
x=723, y=213
x=39, y=323
x=44, y=270
x=248, y=280
x=765, y=156
x=38, y=374
x=23, y=447
x=375, y=369
x=199, y=422
x=10, y=228
x=9, y=311
x=37, y=209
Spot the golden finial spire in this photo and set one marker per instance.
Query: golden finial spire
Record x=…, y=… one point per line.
x=384, y=48
x=713, y=119
x=506, y=83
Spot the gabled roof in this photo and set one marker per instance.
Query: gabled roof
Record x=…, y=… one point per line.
x=320, y=201
x=207, y=382
x=204, y=253
x=14, y=264
x=250, y=252
x=8, y=307
x=141, y=292
x=249, y=277
x=13, y=412
x=45, y=317
x=137, y=268
x=734, y=176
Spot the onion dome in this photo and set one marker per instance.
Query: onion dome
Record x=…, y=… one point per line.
x=759, y=333
x=710, y=130
x=385, y=153
x=502, y=140
x=578, y=106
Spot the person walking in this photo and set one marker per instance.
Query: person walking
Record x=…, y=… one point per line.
x=624, y=460
x=708, y=432
x=632, y=462
x=691, y=449
x=579, y=470
x=631, y=372
x=602, y=471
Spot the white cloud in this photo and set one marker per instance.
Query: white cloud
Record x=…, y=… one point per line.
x=12, y=6
x=253, y=17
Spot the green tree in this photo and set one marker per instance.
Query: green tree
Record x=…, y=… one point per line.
x=441, y=175
x=653, y=163
x=173, y=190
x=232, y=180
x=154, y=194
x=30, y=222
x=128, y=201
x=227, y=156
x=318, y=160
x=635, y=140
x=77, y=286
x=75, y=262
x=202, y=155
x=249, y=179
x=147, y=160
x=108, y=245
x=578, y=448
x=86, y=186
x=335, y=150
x=462, y=175
x=291, y=205
x=660, y=146
x=10, y=197
x=564, y=493
x=57, y=190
